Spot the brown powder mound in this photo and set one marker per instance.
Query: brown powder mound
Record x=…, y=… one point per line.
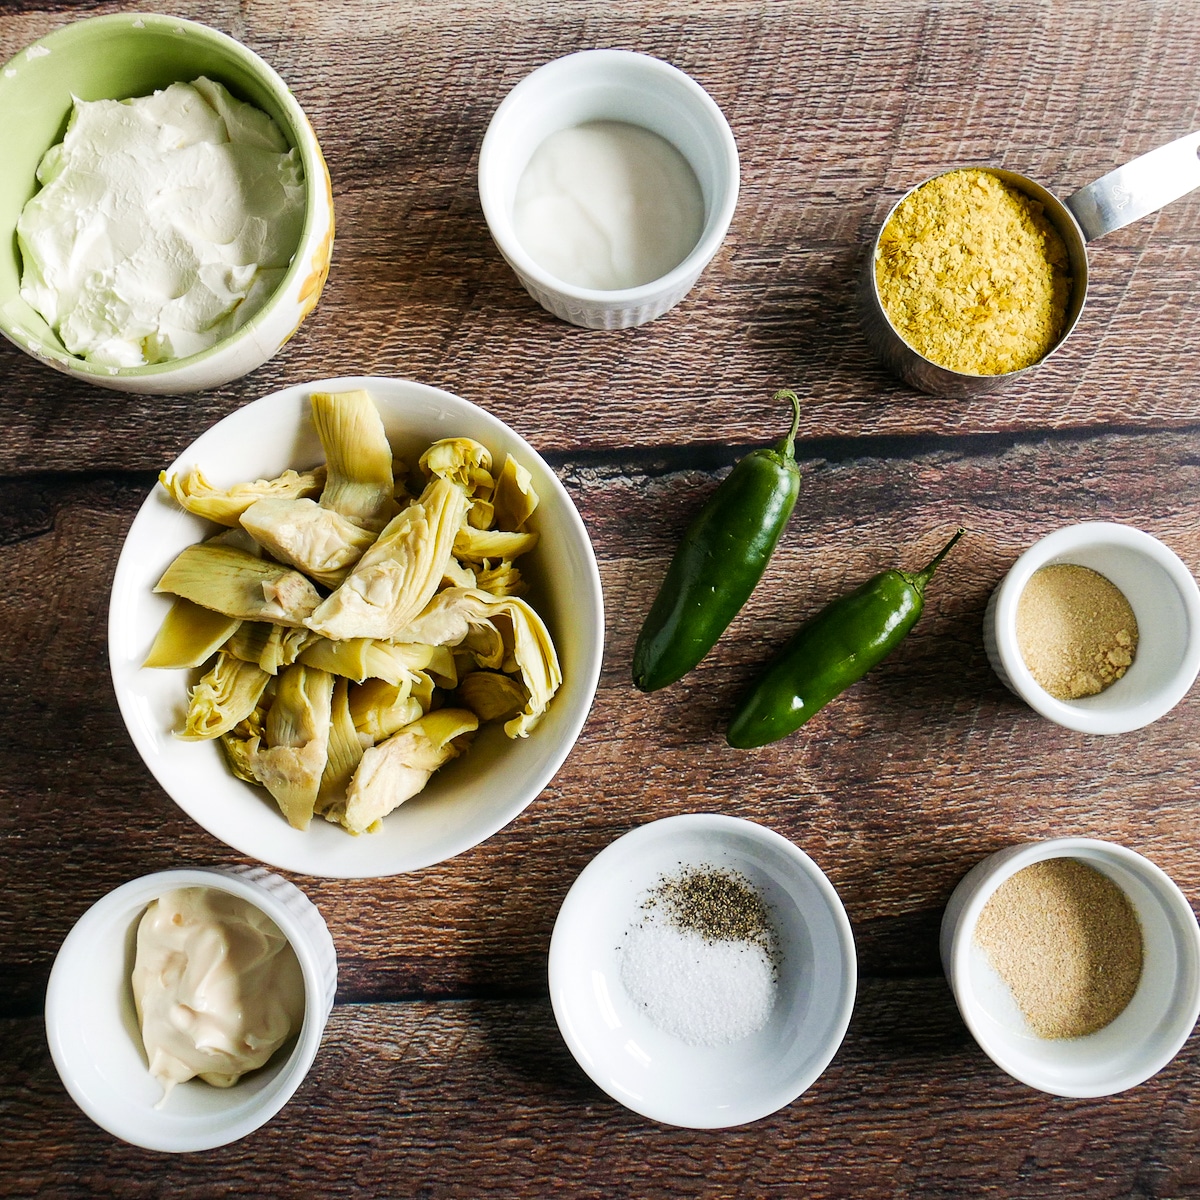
x=1067, y=942
x=973, y=275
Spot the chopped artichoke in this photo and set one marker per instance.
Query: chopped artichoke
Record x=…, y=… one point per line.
x=271, y=646
x=378, y=708
x=189, y=636
x=225, y=505
x=366, y=658
x=345, y=753
x=227, y=694
x=358, y=458
x=501, y=580
x=448, y=619
x=241, y=743
x=239, y=585
x=514, y=498
x=461, y=460
x=320, y=542
x=457, y=575
x=396, y=577
x=482, y=514
x=475, y=545
x=491, y=696
x=297, y=742
x=397, y=769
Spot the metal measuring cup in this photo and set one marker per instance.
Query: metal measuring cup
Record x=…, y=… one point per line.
x=1122, y=196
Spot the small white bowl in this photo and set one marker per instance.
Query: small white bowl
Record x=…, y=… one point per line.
x=608, y=85
x=116, y=57
x=654, y=1073
x=1135, y=1046
x=92, y=1025
x=467, y=800
x=1164, y=598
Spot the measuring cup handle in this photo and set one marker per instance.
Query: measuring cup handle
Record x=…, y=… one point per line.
x=1138, y=188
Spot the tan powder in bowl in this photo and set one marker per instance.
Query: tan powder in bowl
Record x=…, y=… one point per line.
x=1075, y=629
x=973, y=275
x=1067, y=941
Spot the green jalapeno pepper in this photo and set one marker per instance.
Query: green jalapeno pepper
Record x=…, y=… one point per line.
x=827, y=654
x=722, y=556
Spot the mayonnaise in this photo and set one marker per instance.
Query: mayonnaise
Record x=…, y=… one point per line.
x=217, y=986
x=608, y=205
x=162, y=225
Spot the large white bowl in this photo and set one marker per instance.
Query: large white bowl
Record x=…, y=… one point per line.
x=470, y=798
x=651, y=1071
x=92, y=1024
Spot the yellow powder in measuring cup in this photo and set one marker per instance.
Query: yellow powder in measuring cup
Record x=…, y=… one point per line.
x=973, y=275
x=1076, y=631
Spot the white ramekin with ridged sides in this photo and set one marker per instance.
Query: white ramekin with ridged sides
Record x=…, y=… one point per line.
x=92, y=1026
x=608, y=85
x=117, y=57
x=1165, y=601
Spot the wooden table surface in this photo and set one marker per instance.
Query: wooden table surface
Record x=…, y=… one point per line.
x=442, y=1073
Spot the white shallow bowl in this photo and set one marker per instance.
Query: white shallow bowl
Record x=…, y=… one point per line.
x=1142, y=1040
x=1164, y=598
x=608, y=85
x=654, y=1073
x=92, y=1026
x=467, y=800
x=117, y=57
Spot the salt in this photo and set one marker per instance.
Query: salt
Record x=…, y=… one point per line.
x=704, y=990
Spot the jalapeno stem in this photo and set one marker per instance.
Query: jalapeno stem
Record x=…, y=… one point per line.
x=923, y=576
x=787, y=446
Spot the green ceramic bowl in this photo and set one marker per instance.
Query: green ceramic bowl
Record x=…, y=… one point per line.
x=118, y=57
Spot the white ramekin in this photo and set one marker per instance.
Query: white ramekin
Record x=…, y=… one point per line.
x=1143, y=1039
x=1164, y=598
x=608, y=85
x=92, y=1027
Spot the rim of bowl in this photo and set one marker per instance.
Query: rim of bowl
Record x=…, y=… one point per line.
x=136, y=894
x=715, y=227
x=315, y=174
x=1016, y=858
x=719, y=823
x=1064, y=712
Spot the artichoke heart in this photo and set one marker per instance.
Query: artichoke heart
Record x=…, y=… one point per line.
x=346, y=747
x=271, y=646
x=491, y=696
x=475, y=545
x=320, y=542
x=397, y=769
x=358, y=457
x=189, y=636
x=227, y=694
x=461, y=460
x=235, y=583
x=396, y=577
x=366, y=658
x=297, y=742
x=378, y=708
x=192, y=491
x=514, y=498
x=501, y=579
x=449, y=617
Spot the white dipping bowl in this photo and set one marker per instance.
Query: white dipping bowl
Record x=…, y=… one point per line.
x=1164, y=598
x=651, y=1071
x=117, y=57
x=92, y=1026
x=467, y=800
x=1142, y=1040
x=608, y=85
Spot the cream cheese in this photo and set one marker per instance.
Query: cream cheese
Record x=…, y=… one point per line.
x=608, y=205
x=217, y=986
x=162, y=225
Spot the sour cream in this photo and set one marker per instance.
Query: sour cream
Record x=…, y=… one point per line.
x=162, y=225
x=608, y=205
x=217, y=986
